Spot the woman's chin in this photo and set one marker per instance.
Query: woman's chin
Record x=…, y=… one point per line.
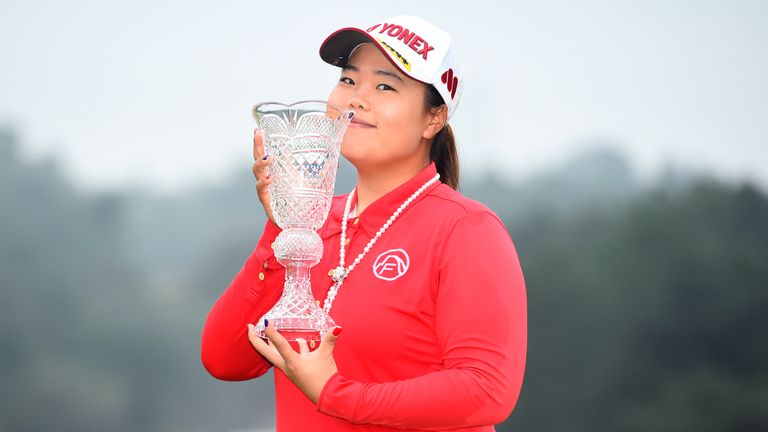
x=355, y=156
x=352, y=149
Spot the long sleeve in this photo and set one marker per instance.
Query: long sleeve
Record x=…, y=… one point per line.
x=226, y=352
x=481, y=329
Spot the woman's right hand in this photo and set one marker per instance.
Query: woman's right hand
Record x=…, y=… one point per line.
x=260, y=168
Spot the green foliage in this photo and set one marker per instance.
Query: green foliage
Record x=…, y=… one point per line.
x=91, y=338
x=651, y=317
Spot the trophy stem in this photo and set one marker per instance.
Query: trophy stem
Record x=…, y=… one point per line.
x=297, y=270
x=297, y=314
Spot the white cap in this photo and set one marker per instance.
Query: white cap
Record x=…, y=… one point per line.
x=416, y=47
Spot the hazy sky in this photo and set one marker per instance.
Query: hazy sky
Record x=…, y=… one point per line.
x=158, y=93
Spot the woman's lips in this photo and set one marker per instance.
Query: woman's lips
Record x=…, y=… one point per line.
x=359, y=123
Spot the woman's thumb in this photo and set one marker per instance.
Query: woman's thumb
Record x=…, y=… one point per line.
x=332, y=335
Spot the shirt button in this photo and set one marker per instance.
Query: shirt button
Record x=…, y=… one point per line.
x=346, y=242
x=330, y=272
x=272, y=245
x=266, y=263
x=357, y=219
x=261, y=275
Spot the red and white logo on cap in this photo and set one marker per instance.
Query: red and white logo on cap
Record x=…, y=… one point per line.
x=391, y=264
x=451, y=81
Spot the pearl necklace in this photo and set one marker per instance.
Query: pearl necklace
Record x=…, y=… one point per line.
x=340, y=273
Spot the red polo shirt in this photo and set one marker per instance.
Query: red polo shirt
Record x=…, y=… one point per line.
x=434, y=317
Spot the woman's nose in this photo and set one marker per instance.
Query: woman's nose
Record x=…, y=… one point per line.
x=357, y=102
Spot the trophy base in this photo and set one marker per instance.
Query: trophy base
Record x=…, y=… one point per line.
x=312, y=337
x=292, y=328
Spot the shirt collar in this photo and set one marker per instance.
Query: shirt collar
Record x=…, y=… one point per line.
x=378, y=212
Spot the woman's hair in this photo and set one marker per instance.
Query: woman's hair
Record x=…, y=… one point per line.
x=443, y=150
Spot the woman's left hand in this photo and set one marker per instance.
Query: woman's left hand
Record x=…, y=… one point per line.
x=309, y=370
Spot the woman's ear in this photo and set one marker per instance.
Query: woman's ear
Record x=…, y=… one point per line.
x=438, y=118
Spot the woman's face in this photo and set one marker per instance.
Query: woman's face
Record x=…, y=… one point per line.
x=391, y=126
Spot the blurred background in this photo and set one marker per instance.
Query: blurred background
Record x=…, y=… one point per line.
x=624, y=144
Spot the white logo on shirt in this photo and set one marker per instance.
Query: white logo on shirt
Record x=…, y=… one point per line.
x=391, y=264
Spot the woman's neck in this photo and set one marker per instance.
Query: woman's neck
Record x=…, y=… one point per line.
x=374, y=184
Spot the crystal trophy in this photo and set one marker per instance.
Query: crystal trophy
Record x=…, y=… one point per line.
x=303, y=140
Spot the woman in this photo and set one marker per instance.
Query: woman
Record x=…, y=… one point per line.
x=434, y=310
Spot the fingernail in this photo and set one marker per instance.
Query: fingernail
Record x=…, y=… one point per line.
x=337, y=331
x=266, y=322
x=255, y=130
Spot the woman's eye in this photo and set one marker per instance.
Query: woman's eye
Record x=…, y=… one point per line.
x=384, y=87
x=346, y=80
